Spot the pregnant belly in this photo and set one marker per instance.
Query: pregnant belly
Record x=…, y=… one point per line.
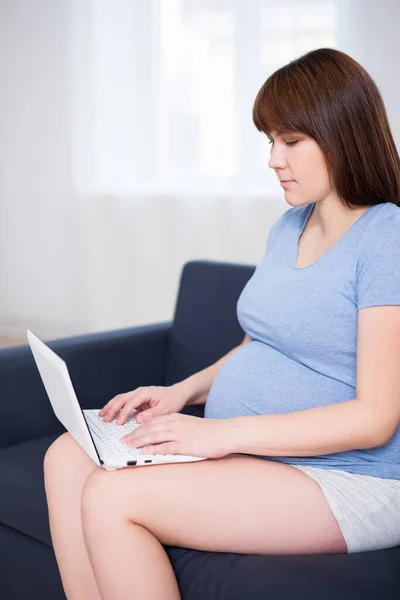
x=258, y=379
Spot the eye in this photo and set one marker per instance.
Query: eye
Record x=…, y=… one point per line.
x=287, y=143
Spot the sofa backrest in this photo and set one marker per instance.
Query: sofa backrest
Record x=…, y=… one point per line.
x=205, y=324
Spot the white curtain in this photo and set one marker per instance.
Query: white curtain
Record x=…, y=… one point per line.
x=127, y=145
x=163, y=90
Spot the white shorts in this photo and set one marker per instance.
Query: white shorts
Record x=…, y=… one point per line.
x=366, y=508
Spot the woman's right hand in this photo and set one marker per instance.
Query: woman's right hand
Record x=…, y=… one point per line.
x=150, y=401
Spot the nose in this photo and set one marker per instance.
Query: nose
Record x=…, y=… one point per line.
x=277, y=158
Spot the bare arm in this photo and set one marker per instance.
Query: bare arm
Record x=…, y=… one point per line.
x=199, y=384
x=338, y=427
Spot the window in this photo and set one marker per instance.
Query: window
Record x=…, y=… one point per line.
x=163, y=90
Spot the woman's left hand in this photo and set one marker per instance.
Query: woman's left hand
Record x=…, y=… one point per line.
x=182, y=434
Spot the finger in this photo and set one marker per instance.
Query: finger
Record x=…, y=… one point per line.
x=137, y=440
x=151, y=426
x=150, y=416
x=104, y=411
x=143, y=406
x=169, y=448
x=139, y=397
x=114, y=406
x=120, y=401
x=149, y=413
x=105, y=407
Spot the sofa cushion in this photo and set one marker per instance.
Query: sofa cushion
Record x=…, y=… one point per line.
x=22, y=497
x=205, y=325
x=28, y=568
x=225, y=576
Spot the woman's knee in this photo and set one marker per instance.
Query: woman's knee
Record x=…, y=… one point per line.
x=56, y=451
x=101, y=486
x=65, y=455
x=99, y=494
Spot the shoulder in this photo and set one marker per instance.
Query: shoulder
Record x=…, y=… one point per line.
x=387, y=214
x=382, y=229
x=379, y=244
x=378, y=259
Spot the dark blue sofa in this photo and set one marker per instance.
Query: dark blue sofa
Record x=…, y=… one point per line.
x=101, y=365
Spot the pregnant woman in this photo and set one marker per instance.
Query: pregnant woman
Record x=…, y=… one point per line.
x=301, y=427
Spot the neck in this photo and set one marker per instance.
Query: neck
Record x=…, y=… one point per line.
x=331, y=218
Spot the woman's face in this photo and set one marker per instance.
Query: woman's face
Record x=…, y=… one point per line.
x=298, y=158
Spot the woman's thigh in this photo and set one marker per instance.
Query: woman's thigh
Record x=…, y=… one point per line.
x=66, y=469
x=238, y=503
x=65, y=460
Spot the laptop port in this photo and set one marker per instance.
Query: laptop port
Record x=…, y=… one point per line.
x=131, y=463
x=147, y=461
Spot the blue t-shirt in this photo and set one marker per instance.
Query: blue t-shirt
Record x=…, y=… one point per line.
x=303, y=327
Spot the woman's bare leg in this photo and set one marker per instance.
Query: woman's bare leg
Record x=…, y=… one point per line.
x=237, y=503
x=66, y=469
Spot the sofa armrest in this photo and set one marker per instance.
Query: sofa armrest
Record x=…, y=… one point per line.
x=101, y=365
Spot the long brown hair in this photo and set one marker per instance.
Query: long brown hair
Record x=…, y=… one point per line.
x=330, y=97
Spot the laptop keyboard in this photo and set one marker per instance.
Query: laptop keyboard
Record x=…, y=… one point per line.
x=110, y=434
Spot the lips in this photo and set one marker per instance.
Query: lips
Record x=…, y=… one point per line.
x=286, y=183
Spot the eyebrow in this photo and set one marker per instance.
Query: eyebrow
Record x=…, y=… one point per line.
x=284, y=133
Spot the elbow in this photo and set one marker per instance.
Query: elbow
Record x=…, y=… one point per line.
x=380, y=425
x=382, y=436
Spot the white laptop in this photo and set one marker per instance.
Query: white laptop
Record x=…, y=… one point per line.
x=99, y=439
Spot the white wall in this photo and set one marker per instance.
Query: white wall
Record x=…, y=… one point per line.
x=71, y=264
x=369, y=32
x=39, y=277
